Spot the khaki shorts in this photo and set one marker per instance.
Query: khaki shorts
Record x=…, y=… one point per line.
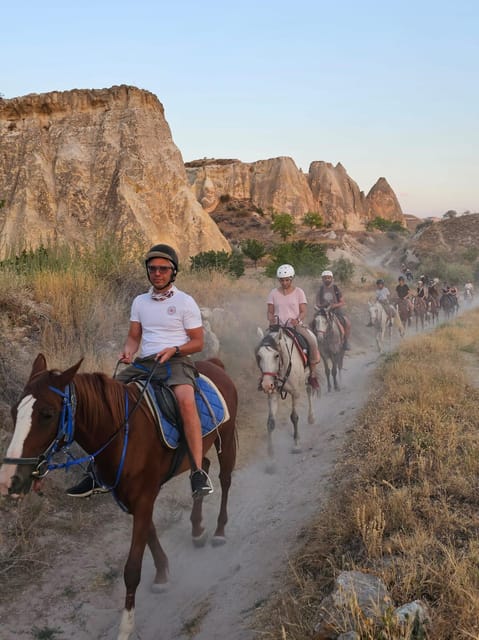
x=178, y=370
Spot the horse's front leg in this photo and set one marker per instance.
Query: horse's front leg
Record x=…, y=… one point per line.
x=271, y=424
x=160, y=560
x=294, y=419
x=142, y=519
x=309, y=393
x=335, y=373
x=327, y=371
x=272, y=410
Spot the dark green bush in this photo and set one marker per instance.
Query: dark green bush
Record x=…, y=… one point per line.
x=306, y=258
x=232, y=263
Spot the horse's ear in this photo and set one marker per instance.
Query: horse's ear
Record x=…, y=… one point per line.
x=260, y=333
x=67, y=376
x=39, y=365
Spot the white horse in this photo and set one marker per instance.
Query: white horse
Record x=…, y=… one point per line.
x=283, y=372
x=383, y=323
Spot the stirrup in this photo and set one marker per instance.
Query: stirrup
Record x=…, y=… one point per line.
x=87, y=487
x=200, y=484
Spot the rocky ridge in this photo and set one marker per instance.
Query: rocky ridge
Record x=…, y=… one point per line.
x=82, y=164
x=278, y=185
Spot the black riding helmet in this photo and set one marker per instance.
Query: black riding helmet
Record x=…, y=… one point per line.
x=163, y=251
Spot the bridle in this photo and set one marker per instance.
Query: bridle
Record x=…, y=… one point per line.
x=269, y=342
x=65, y=436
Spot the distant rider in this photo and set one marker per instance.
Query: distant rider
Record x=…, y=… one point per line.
x=383, y=296
x=287, y=305
x=404, y=293
x=330, y=297
x=468, y=290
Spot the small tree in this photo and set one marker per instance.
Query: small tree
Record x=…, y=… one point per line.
x=283, y=224
x=254, y=250
x=231, y=263
x=343, y=270
x=313, y=220
x=450, y=214
x=307, y=259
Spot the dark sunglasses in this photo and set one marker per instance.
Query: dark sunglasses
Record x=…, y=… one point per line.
x=162, y=269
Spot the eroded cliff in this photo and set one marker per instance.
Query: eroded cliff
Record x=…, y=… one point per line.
x=78, y=165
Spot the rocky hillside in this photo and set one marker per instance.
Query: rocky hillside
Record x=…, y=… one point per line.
x=450, y=237
x=278, y=185
x=76, y=165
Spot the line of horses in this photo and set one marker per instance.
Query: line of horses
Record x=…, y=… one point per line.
x=118, y=432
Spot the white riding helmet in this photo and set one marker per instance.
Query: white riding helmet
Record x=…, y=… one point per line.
x=285, y=271
x=327, y=273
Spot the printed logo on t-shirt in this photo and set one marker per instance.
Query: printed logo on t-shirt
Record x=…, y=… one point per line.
x=171, y=310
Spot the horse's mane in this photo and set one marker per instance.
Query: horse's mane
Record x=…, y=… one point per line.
x=100, y=392
x=268, y=340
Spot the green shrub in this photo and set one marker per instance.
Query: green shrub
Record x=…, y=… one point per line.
x=471, y=254
x=343, y=270
x=253, y=249
x=306, y=258
x=232, y=263
x=313, y=220
x=385, y=225
x=283, y=224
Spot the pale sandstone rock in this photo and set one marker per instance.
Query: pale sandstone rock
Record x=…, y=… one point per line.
x=271, y=184
x=76, y=165
x=382, y=201
x=278, y=185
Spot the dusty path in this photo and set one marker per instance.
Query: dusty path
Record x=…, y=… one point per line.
x=213, y=592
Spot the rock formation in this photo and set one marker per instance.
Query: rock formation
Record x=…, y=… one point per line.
x=82, y=164
x=340, y=201
x=381, y=201
x=270, y=184
x=278, y=185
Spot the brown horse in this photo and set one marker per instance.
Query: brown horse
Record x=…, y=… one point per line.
x=105, y=418
x=420, y=310
x=404, y=311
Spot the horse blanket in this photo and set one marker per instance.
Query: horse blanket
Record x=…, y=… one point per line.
x=211, y=406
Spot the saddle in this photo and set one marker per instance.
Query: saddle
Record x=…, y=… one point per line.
x=163, y=405
x=299, y=342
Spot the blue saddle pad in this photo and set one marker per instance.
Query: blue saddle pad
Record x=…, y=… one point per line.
x=211, y=407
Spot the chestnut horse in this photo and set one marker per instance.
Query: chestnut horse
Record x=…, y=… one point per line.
x=110, y=422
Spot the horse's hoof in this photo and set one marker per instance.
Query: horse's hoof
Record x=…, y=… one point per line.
x=159, y=587
x=218, y=541
x=311, y=420
x=200, y=541
x=271, y=468
x=296, y=449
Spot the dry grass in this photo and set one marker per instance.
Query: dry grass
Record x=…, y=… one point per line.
x=406, y=503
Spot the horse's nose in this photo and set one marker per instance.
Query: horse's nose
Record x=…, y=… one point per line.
x=267, y=384
x=17, y=486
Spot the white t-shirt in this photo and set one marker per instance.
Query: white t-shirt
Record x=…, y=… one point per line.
x=382, y=295
x=286, y=307
x=164, y=322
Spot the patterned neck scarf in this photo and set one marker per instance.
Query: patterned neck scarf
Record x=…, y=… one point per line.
x=161, y=297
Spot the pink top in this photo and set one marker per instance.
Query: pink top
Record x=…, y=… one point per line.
x=286, y=307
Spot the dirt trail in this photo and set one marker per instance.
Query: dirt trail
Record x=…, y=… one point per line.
x=213, y=592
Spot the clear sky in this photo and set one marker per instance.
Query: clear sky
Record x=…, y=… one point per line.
x=386, y=88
